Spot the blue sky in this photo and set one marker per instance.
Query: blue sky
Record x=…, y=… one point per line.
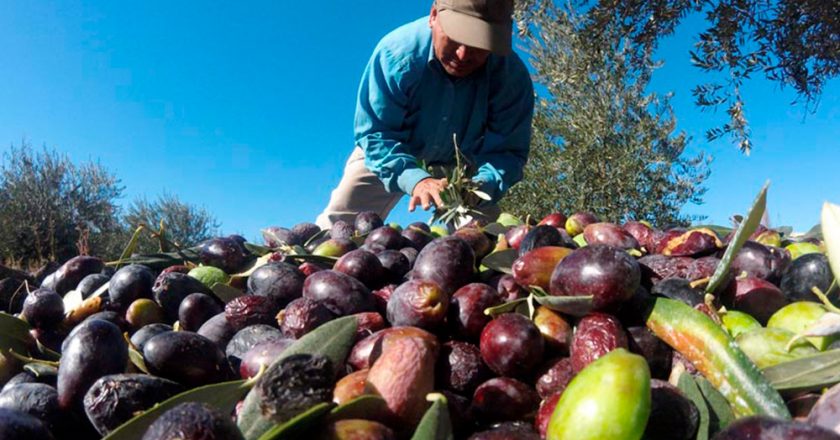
x=246, y=108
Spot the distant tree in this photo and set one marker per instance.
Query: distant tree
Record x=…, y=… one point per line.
x=601, y=143
x=184, y=224
x=794, y=43
x=48, y=205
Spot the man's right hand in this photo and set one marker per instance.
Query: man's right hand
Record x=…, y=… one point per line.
x=425, y=192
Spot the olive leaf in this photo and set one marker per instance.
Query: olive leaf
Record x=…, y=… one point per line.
x=160, y=261
x=132, y=244
x=226, y=293
x=317, y=236
x=298, y=425
x=257, y=249
x=30, y=360
x=827, y=325
x=41, y=369
x=688, y=386
x=221, y=396
x=742, y=234
x=808, y=373
x=435, y=424
x=571, y=305
x=14, y=334
x=461, y=195
x=501, y=261
x=831, y=235
x=135, y=356
x=269, y=236
x=720, y=413
x=507, y=307
x=314, y=258
x=495, y=229
x=333, y=340
x=366, y=406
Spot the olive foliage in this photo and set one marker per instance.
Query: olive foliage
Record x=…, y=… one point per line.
x=48, y=205
x=184, y=224
x=601, y=142
x=794, y=43
x=52, y=209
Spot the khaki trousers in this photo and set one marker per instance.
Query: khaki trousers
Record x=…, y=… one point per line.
x=360, y=190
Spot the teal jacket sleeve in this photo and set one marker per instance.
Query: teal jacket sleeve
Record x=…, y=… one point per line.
x=507, y=139
x=379, y=130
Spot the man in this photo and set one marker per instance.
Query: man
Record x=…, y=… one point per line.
x=451, y=73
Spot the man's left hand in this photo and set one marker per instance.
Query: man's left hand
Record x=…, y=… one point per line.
x=425, y=192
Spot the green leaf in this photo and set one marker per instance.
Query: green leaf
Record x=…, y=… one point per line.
x=482, y=195
x=14, y=334
x=250, y=419
x=333, y=339
x=831, y=235
x=222, y=396
x=367, y=406
x=136, y=358
x=537, y=291
x=319, y=235
x=712, y=350
x=720, y=413
x=132, y=244
x=745, y=229
x=688, y=386
x=298, y=425
x=571, y=305
x=41, y=369
x=226, y=293
x=160, y=261
x=495, y=229
x=254, y=265
x=435, y=424
x=314, y=258
x=30, y=360
x=501, y=261
x=257, y=249
x=507, y=307
x=808, y=373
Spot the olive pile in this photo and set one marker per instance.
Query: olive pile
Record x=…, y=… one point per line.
x=566, y=329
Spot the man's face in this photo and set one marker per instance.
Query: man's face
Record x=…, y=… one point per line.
x=458, y=60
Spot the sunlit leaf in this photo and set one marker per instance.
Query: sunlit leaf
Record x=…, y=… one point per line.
x=571, y=305
x=435, y=424
x=742, y=234
x=222, y=396
x=501, y=261
x=806, y=373
x=831, y=235
x=689, y=388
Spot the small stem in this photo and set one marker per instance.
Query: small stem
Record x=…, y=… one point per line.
x=828, y=305
x=702, y=282
x=793, y=341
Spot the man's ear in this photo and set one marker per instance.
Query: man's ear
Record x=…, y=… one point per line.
x=432, y=16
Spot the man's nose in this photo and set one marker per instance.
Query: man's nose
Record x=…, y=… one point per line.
x=462, y=52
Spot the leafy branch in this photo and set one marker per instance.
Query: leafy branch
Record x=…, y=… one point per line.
x=461, y=195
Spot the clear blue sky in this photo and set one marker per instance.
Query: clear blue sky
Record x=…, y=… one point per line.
x=246, y=108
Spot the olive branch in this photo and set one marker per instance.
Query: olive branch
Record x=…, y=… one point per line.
x=461, y=195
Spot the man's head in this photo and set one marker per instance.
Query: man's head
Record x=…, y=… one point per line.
x=465, y=32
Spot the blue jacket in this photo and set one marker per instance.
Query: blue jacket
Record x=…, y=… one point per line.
x=408, y=109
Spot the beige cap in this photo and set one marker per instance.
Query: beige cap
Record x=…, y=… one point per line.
x=485, y=24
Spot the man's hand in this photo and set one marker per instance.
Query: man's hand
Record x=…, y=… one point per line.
x=426, y=191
